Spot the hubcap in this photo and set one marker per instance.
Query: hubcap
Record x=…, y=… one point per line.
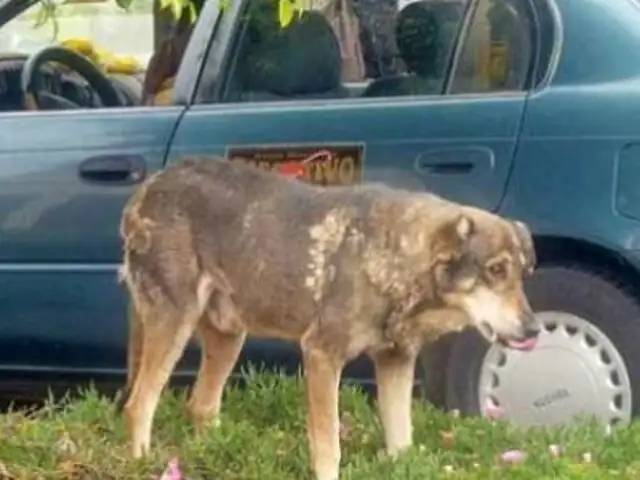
x=574, y=371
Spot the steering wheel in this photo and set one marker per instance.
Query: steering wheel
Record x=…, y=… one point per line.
x=36, y=98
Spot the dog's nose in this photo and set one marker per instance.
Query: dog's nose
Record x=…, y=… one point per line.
x=531, y=327
x=532, y=331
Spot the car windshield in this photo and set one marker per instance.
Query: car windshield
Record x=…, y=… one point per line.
x=104, y=25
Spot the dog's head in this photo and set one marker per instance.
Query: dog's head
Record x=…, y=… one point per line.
x=481, y=260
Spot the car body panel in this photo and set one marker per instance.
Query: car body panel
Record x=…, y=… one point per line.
x=60, y=249
x=579, y=126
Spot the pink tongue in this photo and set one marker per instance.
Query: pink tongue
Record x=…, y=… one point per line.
x=526, y=345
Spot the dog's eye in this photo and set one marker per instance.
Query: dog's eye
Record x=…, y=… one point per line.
x=497, y=270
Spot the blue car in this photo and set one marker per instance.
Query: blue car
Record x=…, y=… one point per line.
x=528, y=108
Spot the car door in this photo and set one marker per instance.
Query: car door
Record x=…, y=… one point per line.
x=64, y=178
x=395, y=124
x=459, y=144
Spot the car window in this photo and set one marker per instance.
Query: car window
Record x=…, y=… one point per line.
x=139, y=51
x=108, y=28
x=342, y=49
x=498, y=49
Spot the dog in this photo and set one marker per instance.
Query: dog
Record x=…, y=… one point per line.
x=226, y=250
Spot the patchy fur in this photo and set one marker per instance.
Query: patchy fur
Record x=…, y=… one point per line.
x=226, y=250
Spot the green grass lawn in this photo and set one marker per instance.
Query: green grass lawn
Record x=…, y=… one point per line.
x=262, y=436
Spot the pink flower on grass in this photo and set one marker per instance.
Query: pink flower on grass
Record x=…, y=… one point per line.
x=172, y=472
x=512, y=457
x=492, y=410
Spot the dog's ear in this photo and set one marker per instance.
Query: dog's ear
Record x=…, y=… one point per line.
x=454, y=235
x=464, y=227
x=525, y=241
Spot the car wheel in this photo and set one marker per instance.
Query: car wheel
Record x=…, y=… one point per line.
x=587, y=361
x=432, y=372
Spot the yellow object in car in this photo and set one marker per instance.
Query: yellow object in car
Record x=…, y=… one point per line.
x=125, y=64
x=499, y=59
x=493, y=62
x=79, y=45
x=164, y=95
x=110, y=62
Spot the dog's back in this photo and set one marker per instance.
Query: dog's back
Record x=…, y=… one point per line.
x=246, y=231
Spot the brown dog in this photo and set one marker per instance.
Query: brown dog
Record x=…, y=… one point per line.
x=229, y=250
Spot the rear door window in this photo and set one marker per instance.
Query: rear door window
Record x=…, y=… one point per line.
x=342, y=50
x=497, y=51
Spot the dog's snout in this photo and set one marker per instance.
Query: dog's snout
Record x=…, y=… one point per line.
x=532, y=331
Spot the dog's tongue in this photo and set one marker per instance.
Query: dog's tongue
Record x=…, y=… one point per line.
x=525, y=345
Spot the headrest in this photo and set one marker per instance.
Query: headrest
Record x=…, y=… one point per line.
x=417, y=33
x=302, y=58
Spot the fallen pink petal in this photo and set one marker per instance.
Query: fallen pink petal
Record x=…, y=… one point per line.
x=493, y=411
x=513, y=457
x=172, y=471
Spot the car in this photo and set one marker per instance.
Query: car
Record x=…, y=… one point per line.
x=527, y=108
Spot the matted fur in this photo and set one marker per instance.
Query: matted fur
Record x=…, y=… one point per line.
x=227, y=250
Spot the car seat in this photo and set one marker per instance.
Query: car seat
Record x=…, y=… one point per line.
x=377, y=36
x=301, y=60
x=423, y=39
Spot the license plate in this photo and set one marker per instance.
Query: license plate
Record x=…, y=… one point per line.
x=321, y=165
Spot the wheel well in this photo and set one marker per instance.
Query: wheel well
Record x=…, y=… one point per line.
x=559, y=250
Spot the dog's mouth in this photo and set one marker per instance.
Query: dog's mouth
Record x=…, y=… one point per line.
x=524, y=344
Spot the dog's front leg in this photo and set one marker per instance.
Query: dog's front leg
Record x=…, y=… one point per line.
x=395, y=371
x=322, y=373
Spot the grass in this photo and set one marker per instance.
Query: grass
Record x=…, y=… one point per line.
x=262, y=436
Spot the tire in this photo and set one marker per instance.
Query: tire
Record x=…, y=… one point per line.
x=598, y=302
x=432, y=372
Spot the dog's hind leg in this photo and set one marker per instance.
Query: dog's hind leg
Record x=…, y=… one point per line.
x=395, y=370
x=134, y=351
x=166, y=332
x=220, y=351
x=322, y=374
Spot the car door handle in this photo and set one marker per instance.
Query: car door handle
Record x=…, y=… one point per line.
x=113, y=169
x=445, y=168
